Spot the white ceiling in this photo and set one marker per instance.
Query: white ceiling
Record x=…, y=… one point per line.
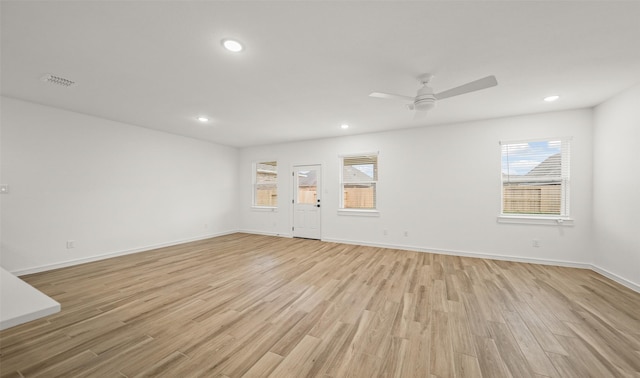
x=309, y=66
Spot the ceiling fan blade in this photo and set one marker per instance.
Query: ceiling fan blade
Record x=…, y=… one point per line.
x=486, y=82
x=390, y=96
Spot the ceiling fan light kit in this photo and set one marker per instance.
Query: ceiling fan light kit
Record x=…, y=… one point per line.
x=425, y=99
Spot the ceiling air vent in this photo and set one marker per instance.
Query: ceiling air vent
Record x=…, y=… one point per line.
x=53, y=79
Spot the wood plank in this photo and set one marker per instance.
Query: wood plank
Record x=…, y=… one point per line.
x=416, y=361
x=585, y=359
x=461, y=337
x=334, y=349
x=264, y=366
x=467, y=366
x=300, y=360
x=491, y=364
x=441, y=351
x=535, y=356
x=509, y=351
x=392, y=363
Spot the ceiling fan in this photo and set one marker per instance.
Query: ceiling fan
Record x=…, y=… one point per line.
x=425, y=99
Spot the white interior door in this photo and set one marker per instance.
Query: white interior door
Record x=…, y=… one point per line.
x=307, y=191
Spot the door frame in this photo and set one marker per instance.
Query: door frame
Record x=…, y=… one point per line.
x=294, y=194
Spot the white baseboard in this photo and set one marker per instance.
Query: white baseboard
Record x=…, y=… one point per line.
x=612, y=276
x=266, y=233
x=570, y=264
x=64, y=264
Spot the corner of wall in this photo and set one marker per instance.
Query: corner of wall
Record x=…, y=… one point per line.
x=615, y=203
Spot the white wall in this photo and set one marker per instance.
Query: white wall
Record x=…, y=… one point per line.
x=616, y=183
x=111, y=187
x=441, y=184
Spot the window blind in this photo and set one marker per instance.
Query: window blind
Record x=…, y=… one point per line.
x=266, y=184
x=535, y=177
x=359, y=180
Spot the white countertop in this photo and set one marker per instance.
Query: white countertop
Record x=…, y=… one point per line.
x=21, y=302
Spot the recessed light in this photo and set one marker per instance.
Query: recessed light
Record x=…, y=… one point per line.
x=203, y=119
x=344, y=126
x=551, y=98
x=232, y=45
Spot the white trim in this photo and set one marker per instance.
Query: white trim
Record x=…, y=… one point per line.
x=570, y=264
x=256, y=232
x=265, y=208
x=501, y=142
x=359, y=212
x=376, y=153
x=614, y=277
x=545, y=221
x=64, y=264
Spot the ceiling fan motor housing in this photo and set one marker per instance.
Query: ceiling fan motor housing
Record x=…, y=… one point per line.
x=425, y=99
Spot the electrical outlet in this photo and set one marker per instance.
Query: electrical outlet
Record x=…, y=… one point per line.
x=385, y=232
x=4, y=189
x=535, y=243
x=71, y=244
x=406, y=233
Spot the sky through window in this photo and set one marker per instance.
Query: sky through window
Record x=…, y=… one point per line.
x=520, y=158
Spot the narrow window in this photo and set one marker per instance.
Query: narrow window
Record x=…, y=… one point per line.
x=358, y=182
x=535, y=178
x=265, y=185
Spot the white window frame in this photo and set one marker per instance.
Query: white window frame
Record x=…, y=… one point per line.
x=564, y=218
x=254, y=184
x=355, y=211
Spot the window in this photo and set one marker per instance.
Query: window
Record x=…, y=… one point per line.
x=265, y=191
x=359, y=178
x=535, y=178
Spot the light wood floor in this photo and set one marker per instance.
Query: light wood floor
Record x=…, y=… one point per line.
x=248, y=305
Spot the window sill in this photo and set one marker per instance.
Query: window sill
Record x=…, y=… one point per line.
x=264, y=208
x=359, y=213
x=524, y=219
